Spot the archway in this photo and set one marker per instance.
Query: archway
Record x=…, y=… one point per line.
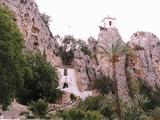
x=65, y=85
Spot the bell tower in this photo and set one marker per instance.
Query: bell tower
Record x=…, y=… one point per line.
x=108, y=22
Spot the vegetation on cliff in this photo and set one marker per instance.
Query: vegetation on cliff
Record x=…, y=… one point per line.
x=12, y=64
x=22, y=77
x=40, y=83
x=69, y=45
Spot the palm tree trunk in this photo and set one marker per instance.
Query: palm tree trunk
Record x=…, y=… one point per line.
x=116, y=91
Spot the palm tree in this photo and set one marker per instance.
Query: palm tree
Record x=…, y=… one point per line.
x=136, y=109
x=155, y=114
x=114, y=52
x=38, y=109
x=108, y=107
x=76, y=114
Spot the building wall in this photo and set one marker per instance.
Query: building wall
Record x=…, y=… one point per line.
x=71, y=80
x=106, y=23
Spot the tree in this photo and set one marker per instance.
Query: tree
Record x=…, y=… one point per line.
x=153, y=95
x=104, y=85
x=134, y=86
x=93, y=115
x=83, y=47
x=107, y=108
x=141, y=101
x=76, y=114
x=133, y=113
x=72, y=114
x=114, y=52
x=67, y=49
x=155, y=114
x=46, y=18
x=12, y=63
x=91, y=103
x=136, y=110
x=73, y=97
x=68, y=45
x=38, y=109
x=42, y=82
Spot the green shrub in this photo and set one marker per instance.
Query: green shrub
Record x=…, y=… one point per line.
x=12, y=63
x=75, y=114
x=41, y=83
x=39, y=110
x=73, y=97
x=67, y=56
x=104, y=85
x=134, y=86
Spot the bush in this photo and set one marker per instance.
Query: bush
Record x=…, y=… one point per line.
x=46, y=18
x=91, y=103
x=41, y=83
x=67, y=56
x=75, y=114
x=153, y=95
x=12, y=63
x=39, y=109
x=72, y=97
x=134, y=86
x=104, y=85
x=84, y=48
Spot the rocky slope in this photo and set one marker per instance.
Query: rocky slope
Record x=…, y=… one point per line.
x=89, y=68
x=85, y=70
x=146, y=64
x=106, y=38
x=36, y=33
x=143, y=66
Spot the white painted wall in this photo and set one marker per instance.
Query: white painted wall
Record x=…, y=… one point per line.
x=106, y=23
x=70, y=79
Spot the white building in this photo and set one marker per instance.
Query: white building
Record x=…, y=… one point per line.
x=109, y=22
x=68, y=82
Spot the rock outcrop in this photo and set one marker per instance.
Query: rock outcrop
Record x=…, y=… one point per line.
x=146, y=64
x=106, y=38
x=34, y=29
x=85, y=70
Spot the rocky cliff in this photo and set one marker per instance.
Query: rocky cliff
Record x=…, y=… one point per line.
x=99, y=63
x=85, y=70
x=35, y=31
x=146, y=64
x=106, y=38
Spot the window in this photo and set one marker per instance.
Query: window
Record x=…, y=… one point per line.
x=65, y=85
x=65, y=72
x=110, y=23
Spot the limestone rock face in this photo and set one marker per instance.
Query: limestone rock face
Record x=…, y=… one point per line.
x=146, y=64
x=36, y=33
x=106, y=38
x=92, y=44
x=85, y=69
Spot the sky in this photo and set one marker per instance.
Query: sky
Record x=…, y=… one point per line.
x=82, y=18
